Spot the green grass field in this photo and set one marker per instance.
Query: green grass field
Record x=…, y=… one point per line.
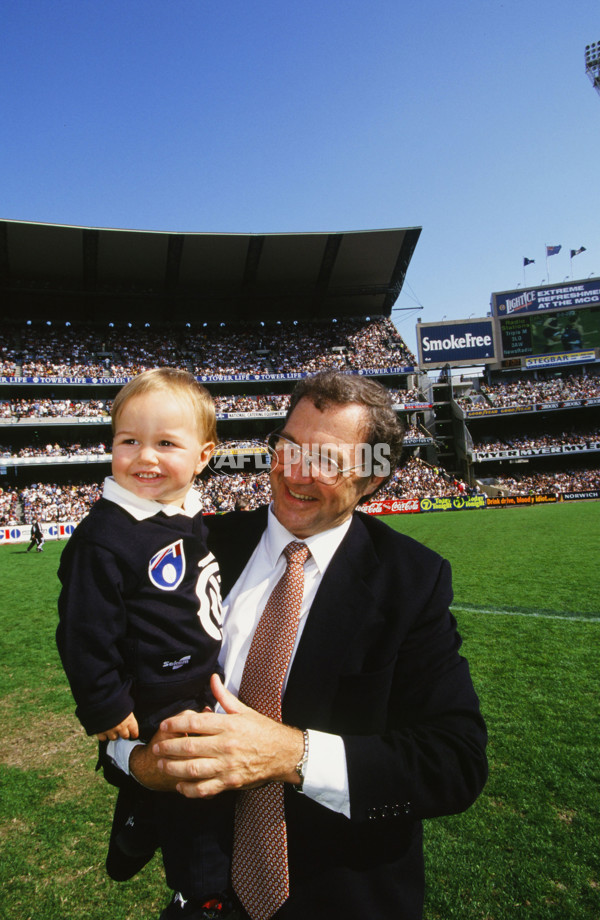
x=528, y=610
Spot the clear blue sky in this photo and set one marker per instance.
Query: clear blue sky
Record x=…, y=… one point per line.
x=473, y=119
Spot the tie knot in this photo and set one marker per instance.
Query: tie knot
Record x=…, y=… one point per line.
x=296, y=553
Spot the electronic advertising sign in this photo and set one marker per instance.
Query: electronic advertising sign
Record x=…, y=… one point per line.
x=460, y=342
x=563, y=332
x=571, y=294
x=549, y=325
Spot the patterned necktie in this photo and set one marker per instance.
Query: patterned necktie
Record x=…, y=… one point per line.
x=259, y=872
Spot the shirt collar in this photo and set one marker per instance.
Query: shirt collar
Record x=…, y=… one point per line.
x=322, y=545
x=142, y=508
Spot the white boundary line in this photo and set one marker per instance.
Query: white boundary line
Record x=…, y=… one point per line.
x=525, y=613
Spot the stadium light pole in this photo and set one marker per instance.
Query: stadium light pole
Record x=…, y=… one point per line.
x=592, y=64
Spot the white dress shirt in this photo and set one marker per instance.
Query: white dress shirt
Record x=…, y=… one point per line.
x=326, y=775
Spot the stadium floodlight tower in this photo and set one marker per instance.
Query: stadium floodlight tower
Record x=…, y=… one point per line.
x=592, y=64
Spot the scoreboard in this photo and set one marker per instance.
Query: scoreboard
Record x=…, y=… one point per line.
x=559, y=319
x=516, y=336
x=550, y=333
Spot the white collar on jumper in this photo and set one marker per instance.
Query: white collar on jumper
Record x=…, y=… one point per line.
x=142, y=508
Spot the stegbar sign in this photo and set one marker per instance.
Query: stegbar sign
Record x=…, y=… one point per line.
x=456, y=343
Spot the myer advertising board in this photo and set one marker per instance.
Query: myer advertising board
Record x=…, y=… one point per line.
x=460, y=342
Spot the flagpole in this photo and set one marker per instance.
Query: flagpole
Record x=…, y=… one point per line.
x=547, y=271
x=526, y=262
x=575, y=252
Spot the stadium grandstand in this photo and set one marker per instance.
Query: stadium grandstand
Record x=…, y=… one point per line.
x=517, y=393
x=86, y=309
x=533, y=432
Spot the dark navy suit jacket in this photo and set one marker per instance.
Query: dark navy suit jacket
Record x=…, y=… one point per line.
x=378, y=663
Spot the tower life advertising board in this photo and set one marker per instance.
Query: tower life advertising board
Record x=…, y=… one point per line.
x=456, y=343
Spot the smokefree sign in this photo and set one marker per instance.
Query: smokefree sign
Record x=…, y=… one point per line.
x=455, y=342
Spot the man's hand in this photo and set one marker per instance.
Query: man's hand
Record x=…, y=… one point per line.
x=218, y=752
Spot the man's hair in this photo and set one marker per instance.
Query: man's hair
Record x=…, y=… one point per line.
x=332, y=388
x=178, y=382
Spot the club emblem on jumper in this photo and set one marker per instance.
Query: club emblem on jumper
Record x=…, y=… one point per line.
x=167, y=567
x=208, y=590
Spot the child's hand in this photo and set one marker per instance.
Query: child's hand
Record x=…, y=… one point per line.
x=128, y=728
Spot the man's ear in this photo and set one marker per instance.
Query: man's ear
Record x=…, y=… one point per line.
x=372, y=485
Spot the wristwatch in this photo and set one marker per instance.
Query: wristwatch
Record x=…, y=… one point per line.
x=301, y=765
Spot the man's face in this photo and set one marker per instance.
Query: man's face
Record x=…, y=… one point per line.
x=304, y=505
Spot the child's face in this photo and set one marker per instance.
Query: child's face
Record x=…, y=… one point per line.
x=157, y=448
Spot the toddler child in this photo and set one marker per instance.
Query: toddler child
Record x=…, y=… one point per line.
x=140, y=615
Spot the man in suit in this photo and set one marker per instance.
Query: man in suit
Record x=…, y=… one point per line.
x=381, y=725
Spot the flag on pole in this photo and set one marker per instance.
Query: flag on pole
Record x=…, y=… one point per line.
x=553, y=250
x=527, y=261
x=575, y=252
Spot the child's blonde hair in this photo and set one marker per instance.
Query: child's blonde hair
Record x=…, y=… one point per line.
x=176, y=381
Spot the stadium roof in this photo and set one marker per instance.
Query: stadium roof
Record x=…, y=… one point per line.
x=84, y=273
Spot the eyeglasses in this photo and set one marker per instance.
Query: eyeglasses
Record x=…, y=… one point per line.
x=318, y=463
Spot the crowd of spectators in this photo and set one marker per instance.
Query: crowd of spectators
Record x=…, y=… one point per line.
x=8, y=353
x=551, y=483
x=226, y=349
x=99, y=448
x=60, y=504
x=527, y=392
x=417, y=479
x=412, y=433
x=56, y=503
x=94, y=408
x=405, y=397
x=58, y=449
x=472, y=399
x=52, y=351
x=374, y=344
x=54, y=408
x=9, y=506
x=43, y=407
x=254, y=349
x=226, y=493
x=243, y=403
x=240, y=444
x=563, y=438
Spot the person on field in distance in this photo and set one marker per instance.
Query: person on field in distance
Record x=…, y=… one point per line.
x=379, y=724
x=37, y=538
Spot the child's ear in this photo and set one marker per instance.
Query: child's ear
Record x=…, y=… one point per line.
x=205, y=455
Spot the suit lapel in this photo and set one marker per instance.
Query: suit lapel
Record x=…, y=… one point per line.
x=341, y=605
x=233, y=537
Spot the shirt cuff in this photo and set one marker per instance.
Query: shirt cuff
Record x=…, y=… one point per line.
x=119, y=752
x=326, y=774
